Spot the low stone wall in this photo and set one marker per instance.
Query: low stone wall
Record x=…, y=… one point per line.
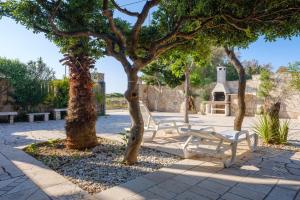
x=251, y=104
x=163, y=99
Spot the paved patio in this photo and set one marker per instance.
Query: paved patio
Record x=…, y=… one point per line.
x=267, y=174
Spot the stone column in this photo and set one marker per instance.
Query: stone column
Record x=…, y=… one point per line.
x=227, y=109
x=207, y=108
x=11, y=119
x=57, y=115
x=99, y=89
x=46, y=117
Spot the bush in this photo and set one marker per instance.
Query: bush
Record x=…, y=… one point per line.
x=115, y=94
x=269, y=133
x=29, y=82
x=59, y=94
x=266, y=84
x=294, y=69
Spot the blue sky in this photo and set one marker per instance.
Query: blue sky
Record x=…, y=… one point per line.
x=17, y=42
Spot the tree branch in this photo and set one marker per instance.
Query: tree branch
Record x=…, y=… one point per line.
x=124, y=10
x=110, y=51
x=138, y=24
x=109, y=14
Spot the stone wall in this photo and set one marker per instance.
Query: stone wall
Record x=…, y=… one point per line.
x=250, y=101
x=163, y=99
x=172, y=100
x=288, y=96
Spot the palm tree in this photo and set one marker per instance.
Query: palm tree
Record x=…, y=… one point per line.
x=81, y=118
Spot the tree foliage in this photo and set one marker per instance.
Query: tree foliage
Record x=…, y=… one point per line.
x=166, y=71
x=29, y=82
x=266, y=84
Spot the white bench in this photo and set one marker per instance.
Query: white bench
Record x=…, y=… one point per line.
x=11, y=116
x=57, y=113
x=31, y=116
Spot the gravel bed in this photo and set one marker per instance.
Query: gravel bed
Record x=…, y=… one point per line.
x=99, y=168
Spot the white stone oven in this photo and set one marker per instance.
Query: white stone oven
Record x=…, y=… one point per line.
x=220, y=103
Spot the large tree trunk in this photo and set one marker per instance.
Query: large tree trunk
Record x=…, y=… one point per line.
x=81, y=119
x=137, y=123
x=239, y=117
x=187, y=93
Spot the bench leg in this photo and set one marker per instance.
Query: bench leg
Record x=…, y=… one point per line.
x=153, y=135
x=57, y=116
x=31, y=118
x=228, y=163
x=255, y=137
x=46, y=117
x=186, y=153
x=176, y=127
x=219, y=146
x=11, y=119
x=255, y=140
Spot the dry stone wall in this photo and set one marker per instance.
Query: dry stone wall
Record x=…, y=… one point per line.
x=166, y=99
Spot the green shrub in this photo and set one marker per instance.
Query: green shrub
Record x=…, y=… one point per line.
x=32, y=149
x=294, y=69
x=115, y=94
x=28, y=82
x=266, y=84
x=261, y=128
x=283, y=131
x=269, y=133
x=59, y=94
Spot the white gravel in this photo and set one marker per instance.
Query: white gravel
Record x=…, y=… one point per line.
x=100, y=168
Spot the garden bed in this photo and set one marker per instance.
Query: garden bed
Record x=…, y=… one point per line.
x=99, y=168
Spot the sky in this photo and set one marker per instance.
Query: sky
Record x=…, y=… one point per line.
x=16, y=42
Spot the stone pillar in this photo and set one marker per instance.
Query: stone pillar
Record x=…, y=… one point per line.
x=11, y=119
x=46, y=117
x=57, y=115
x=227, y=109
x=31, y=117
x=99, y=91
x=207, y=108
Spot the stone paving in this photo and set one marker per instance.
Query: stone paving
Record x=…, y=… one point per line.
x=267, y=174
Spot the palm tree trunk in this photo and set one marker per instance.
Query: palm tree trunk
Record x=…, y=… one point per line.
x=137, y=123
x=81, y=119
x=239, y=117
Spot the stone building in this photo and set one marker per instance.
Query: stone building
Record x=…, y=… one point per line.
x=224, y=97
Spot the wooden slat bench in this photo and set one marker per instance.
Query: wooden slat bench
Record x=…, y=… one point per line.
x=11, y=116
x=57, y=113
x=31, y=116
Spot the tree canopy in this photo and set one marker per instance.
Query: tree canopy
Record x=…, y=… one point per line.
x=170, y=71
x=173, y=23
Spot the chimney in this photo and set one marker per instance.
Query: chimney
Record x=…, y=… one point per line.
x=221, y=74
